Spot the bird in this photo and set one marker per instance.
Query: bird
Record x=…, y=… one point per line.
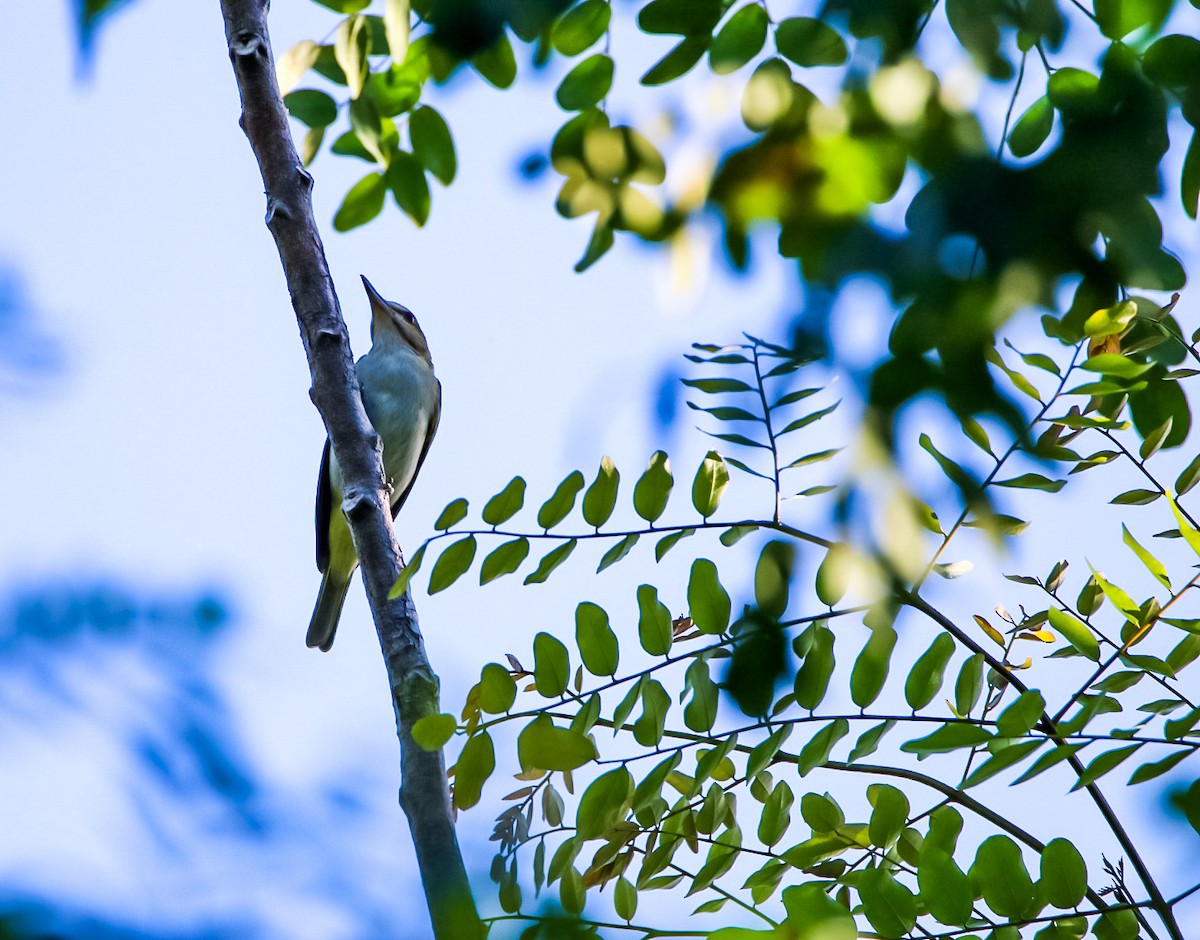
x=403, y=400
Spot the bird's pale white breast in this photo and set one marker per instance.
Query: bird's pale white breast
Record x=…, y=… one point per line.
x=400, y=394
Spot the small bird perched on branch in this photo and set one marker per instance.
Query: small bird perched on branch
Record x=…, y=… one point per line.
x=403, y=401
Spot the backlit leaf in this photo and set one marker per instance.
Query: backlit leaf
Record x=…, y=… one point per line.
x=551, y=560
x=596, y=640
x=452, y=564
x=505, y=504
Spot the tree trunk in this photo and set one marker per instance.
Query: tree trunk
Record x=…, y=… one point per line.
x=424, y=794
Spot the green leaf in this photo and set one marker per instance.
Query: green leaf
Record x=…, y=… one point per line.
x=433, y=731
x=345, y=6
x=811, y=915
x=709, y=485
x=1186, y=529
x=400, y=585
x=618, y=551
x=889, y=815
x=869, y=740
x=1063, y=874
x=816, y=752
x=772, y=576
x=1189, y=181
x=497, y=689
x=311, y=108
x=310, y=144
x=1002, y=759
x=678, y=62
x=505, y=559
x=1111, y=320
x=604, y=804
x=601, y=496
x=1032, y=128
x=680, y=17
x=889, y=906
x=293, y=64
x=1135, y=498
x=654, y=622
x=350, y=52
x=406, y=179
x=762, y=755
x=735, y=534
x=701, y=711
x=1076, y=632
x=505, y=504
x=653, y=488
x=625, y=706
x=596, y=640
x=717, y=386
x=945, y=888
x=558, y=507
x=396, y=28
x=809, y=42
x=1033, y=481
x=949, y=737
x=363, y=202
x=544, y=746
x=956, y=474
x=667, y=542
x=648, y=729
x=812, y=679
x=551, y=560
x=1117, y=925
x=452, y=564
x=708, y=602
x=833, y=574
x=581, y=27
x=1118, y=18
x=1153, y=565
x=776, y=814
x=871, y=667
x=598, y=245
x=392, y=92
x=475, y=764
x=1188, y=478
x=432, y=144
x=586, y=85
x=624, y=893
x=551, y=665
x=925, y=679
x=1073, y=91
x=1157, y=768
x=999, y=872
x=969, y=684
x=822, y=813
x=454, y=513
x=1021, y=716
x=497, y=65
x=1105, y=762
x=808, y=419
x=368, y=128
x=740, y=39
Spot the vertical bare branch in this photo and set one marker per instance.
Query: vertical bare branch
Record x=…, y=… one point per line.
x=424, y=795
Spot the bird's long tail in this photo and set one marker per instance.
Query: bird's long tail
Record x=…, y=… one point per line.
x=325, y=616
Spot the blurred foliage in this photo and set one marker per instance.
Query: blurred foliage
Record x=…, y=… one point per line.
x=766, y=756
x=89, y=16
x=1063, y=216
x=27, y=355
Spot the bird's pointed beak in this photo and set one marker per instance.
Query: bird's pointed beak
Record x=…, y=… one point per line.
x=379, y=306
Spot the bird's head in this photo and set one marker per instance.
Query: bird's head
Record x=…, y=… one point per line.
x=396, y=320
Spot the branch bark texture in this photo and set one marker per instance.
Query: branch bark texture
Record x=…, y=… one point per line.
x=424, y=794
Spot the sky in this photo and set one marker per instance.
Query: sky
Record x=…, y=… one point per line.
x=171, y=450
